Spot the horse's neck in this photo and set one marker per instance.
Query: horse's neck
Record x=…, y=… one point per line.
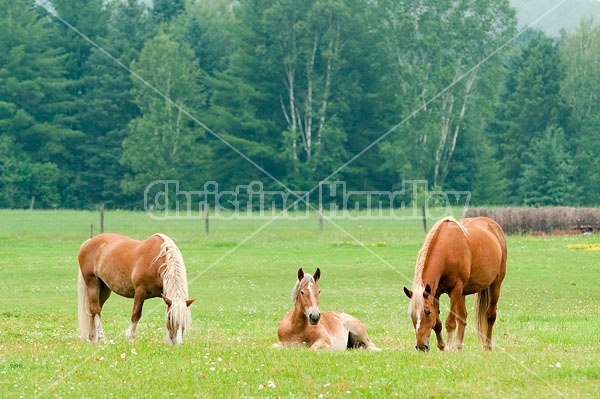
x=299, y=319
x=433, y=282
x=432, y=272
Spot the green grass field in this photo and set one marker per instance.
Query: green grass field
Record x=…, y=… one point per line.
x=242, y=274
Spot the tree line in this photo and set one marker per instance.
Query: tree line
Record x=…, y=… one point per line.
x=99, y=99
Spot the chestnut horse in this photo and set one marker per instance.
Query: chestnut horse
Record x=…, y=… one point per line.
x=133, y=269
x=458, y=258
x=305, y=326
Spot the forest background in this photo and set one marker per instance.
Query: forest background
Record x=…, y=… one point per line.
x=98, y=99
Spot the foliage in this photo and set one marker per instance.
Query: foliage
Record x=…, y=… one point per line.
x=164, y=142
x=36, y=109
x=444, y=91
x=547, y=179
x=371, y=93
x=107, y=105
x=529, y=107
x=580, y=54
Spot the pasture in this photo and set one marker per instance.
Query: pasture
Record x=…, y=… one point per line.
x=241, y=276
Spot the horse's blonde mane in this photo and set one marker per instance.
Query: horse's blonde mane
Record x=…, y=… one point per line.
x=174, y=277
x=416, y=302
x=306, y=279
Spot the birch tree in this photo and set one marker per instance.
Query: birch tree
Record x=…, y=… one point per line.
x=307, y=50
x=435, y=50
x=580, y=53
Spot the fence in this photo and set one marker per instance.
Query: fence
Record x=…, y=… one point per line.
x=558, y=220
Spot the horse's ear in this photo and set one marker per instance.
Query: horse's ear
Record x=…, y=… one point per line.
x=189, y=302
x=167, y=300
x=427, y=291
x=408, y=292
x=317, y=275
x=300, y=274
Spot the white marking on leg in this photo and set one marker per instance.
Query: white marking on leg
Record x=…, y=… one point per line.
x=99, y=331
x=130, y=334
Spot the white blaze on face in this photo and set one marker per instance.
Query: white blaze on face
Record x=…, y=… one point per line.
x=311, y=309
x=418, y=323
x=179, y=337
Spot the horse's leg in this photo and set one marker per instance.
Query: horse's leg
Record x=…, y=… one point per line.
x=94, y=289
x=322, y=343
x=357, y=334
x=491, y=313
x=103, y=296
x=136, y=313
x=438, y=326
x=457, y=315
x=461, y=317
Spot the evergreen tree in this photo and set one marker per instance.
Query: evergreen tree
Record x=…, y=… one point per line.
x=206, y=27
x=296, y=85
x=580, y=54
x=109, y=106
x=529, y=106
x=166, y=10
x=35, y=107
x=547, y=178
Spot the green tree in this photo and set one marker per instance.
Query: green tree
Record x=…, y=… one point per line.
x=109, y=106
x=547, y=179
x=90, y=18
x=35, y=105
x=438, y=87
x=529, y=106
x=164, y=142
x=166, y=10
x=292, y=69
x=580, y=53
x=23, y=182
x=206, y=27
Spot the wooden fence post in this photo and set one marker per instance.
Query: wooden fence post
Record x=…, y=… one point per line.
x=424, y=218
x=320, y=212
x=101, y=218
x=206, y=207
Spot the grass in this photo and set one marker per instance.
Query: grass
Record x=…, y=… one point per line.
x=241, y=275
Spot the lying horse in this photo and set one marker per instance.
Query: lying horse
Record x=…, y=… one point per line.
x=305, y=326
x=133, y=269
x=458, y=258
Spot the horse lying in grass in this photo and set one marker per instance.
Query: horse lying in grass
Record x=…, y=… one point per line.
x=133, y=269
x=458, y=258
x=305, y=326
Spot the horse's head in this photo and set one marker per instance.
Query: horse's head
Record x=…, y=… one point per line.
x=423, y=313
x=306, y=295
x=178, y=318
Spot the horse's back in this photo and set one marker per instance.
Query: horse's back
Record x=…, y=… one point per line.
x=96, y=248
x=485, y=233
x=111, y=256
x=488, y=250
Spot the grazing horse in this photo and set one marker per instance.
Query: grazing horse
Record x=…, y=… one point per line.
x=133, y=269
x=458, y=258
x=305, y=326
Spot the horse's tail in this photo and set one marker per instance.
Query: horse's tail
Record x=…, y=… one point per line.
x=83, y=308
x=175, y=285
x=482, y=304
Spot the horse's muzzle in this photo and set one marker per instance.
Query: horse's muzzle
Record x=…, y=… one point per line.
x=314, y=318
x=424, y=348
